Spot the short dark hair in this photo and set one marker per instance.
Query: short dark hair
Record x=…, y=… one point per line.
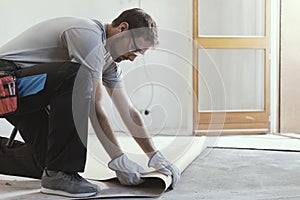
x=137, y=18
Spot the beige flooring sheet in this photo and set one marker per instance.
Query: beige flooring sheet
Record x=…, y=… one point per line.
x=179, y=150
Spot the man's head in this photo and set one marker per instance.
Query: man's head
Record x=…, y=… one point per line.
x=131, y=33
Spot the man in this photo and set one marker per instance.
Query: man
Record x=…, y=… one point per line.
x=64, y=64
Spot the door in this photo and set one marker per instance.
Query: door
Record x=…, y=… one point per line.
x=231, y=66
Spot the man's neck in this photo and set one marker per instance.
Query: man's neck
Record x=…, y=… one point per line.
x=109, y=30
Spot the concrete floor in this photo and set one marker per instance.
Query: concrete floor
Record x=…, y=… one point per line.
x=241, y=174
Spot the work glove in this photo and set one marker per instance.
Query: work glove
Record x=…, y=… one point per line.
x=127, y=171
x=162, y=165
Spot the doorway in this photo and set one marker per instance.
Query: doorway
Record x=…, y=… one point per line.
x=231, y=66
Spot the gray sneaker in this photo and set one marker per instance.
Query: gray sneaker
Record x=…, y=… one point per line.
x=64, y=184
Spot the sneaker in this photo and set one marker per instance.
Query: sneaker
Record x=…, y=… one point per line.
x=64, y=184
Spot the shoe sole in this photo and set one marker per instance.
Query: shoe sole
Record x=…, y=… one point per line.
x=67, y=194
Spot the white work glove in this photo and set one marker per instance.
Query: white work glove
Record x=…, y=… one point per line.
x=127, y=171
x=162, y=165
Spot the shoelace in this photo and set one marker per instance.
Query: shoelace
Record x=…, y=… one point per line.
x=74, y=177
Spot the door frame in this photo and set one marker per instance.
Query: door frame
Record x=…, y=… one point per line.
x=233, y=122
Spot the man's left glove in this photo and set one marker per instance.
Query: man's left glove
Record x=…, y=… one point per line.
x=159, y=162
x=127, y=171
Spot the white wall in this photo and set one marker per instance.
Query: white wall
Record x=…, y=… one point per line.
x=289, y=67
x=161, y=81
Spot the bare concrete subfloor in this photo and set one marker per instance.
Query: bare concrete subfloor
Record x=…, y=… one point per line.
x=225, y=173
x=238, y=174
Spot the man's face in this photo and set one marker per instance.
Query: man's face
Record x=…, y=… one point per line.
x=126, y=46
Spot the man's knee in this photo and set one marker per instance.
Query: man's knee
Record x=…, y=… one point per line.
x=18, y=160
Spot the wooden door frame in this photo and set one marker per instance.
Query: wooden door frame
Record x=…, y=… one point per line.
x=238, y=122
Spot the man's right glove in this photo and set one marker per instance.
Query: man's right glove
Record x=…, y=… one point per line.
x=127, y=171
x=159, y=162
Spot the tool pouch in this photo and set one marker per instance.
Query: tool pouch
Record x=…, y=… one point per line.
x=8, y=94
x=8, y=90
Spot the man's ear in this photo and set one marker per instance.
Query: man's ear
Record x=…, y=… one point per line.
x=123, y=26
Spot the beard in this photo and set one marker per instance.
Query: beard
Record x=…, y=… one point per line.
x=120, y=58
x=116, y=56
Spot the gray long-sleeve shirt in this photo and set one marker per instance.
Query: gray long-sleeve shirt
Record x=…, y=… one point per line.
x=62, y=39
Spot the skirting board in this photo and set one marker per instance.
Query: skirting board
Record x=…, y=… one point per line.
x=179, y=150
